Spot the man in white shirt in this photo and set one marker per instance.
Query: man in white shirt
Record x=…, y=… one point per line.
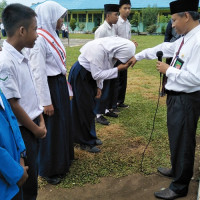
x=183, y=94
x=105, y=30
x=123, y=29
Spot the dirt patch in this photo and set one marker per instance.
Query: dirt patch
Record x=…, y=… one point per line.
x=147, y=87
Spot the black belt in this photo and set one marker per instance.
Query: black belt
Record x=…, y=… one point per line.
x=171, y=92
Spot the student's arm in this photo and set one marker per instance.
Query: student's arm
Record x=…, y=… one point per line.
x=25, y=120
x=38, y=65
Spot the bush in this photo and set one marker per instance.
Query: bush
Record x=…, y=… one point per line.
x=151, y=28
x=163, y=29
x=72, y=24
x=149, y=15
x=94, y=29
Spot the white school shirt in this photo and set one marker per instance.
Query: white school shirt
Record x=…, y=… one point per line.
x=16, y=80
x=43, y=64
x=102, y=68
x=105, y=30
x=123, y=28
x=188, y=78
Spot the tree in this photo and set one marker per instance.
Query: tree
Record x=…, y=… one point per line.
x=135, y=20
x=3, y=4
x=72, y=24
x=149, y=15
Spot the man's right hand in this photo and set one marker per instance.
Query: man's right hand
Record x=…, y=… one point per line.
x=24, y=177
x=49, y=110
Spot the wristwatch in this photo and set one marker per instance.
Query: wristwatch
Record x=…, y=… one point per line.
x=23, y=154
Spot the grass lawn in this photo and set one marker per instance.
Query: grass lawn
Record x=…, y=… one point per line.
x=126, y=137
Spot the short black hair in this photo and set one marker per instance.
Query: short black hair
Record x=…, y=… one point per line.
x=16, y=15
x=193, y=14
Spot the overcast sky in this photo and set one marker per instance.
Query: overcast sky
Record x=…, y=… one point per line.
x=25, y=2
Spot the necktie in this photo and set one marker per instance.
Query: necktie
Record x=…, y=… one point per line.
x=164, y=81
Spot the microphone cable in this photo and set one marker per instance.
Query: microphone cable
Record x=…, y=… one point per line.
x=150, y=138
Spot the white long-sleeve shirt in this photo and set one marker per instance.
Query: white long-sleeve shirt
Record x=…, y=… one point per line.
x=187, y=79
x=43, y=64
x=105, y=30
x=123, y=28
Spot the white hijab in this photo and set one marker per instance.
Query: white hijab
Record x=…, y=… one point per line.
x=115, y=47
x=48, y=14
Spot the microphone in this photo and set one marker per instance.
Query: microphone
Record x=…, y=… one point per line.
x=159, y=54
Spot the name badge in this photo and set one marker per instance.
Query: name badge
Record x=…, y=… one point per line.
x=178, y=64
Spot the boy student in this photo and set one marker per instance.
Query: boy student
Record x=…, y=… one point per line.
x=123, y=29
x=105, y=30
x=48, y=61
x=13, y=173
x=18, y=85
x=183, y=94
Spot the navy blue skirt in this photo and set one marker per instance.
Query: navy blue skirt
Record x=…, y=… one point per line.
x=83, y=103
x=56, y=150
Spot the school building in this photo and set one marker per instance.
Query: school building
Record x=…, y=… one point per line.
x=91, y=12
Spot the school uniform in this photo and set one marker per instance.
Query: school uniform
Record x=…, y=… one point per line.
x=11, y=146
x=183, y=108
x=17, y=82
x=48, y=64
x=123, y=29
x=105, y=30
x=94, y=65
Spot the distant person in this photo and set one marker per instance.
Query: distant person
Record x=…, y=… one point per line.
x=65, y=31
x=87, y=75
x=105, y=30
x=17, y=83
x=3, y=32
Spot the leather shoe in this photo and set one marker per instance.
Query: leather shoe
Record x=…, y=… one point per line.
x=165, y=171
x=90, y=149
x=111, y=114
x=54, y=180
x=102, y=120
x=167, y=194
x=99, y=142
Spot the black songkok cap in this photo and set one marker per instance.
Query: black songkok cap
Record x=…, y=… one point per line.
x=122, y=2
x=184, y=6
x=111, y=8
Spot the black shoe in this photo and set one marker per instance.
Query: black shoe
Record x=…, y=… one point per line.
x=90, y=149
x=111, y=114
x=116, y=110
x=99, y=142
x=165, y=171
x=54, y=180
x=102, y=120
x=167, y=194
x=122, y=105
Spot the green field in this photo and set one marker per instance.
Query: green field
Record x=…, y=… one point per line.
x=126, y=137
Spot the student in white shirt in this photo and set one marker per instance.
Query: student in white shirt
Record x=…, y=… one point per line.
x=48, y=62
x=183, y=94
x=87, y=75
x=123, y=29
x=18, y=85
x=105, y=30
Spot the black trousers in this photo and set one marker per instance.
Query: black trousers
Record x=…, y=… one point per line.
x=122, y=84
x=183, y=112
x=32, y=146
